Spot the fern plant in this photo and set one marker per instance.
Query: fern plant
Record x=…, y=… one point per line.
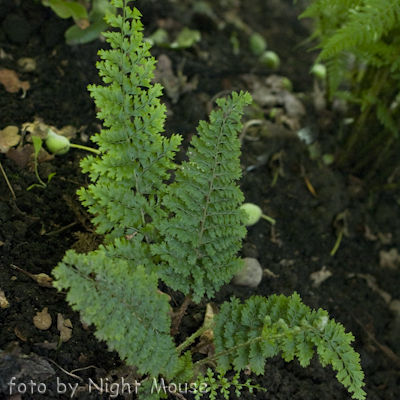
x=186, y=234
x=360, y=45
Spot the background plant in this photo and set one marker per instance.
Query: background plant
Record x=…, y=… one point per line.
x=186, y=234
x=88, y=25
x=360, y=45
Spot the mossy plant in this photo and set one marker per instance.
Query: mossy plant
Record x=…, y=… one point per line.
x=186, y=234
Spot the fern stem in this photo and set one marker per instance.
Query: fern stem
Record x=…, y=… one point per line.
x=209, y=325
x=361, y=124
x=177, y=317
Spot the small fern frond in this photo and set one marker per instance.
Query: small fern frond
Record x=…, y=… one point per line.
x=124, y=305
x=202, y=239
x=214, y=383
x=135, y=158
x=246, y=334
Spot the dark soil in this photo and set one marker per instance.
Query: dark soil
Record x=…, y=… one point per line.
x=41, y=224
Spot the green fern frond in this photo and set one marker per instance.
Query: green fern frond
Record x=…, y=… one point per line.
x=247, y=334
x=386, y=119
x=135, y=158
x=202, y=239
x=124, y=305
x=369, y=22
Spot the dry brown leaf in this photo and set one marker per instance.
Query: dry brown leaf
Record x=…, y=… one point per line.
x=319, y=276
x=16, y=396
x=371, y=282
x=65, y=327
x=20, y=333
x=206, y=345
x=20, y=155
x=42, y=320
x=9, y=79
x=368, y=234
x=82, y=23
x=37, y=128
x=27, y=64
x=42, y=279
x=9, y=137
x=40, y=129
x=3, y=300
x=389, y=259
x=385, y=238
x=174, y=85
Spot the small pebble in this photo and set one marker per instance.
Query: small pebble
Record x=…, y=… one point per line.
x=250, y=275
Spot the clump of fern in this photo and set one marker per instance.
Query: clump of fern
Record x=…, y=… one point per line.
x=360, y=45
x=186, y=234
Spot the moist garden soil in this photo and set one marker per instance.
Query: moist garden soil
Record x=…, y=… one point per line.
x=39, y=225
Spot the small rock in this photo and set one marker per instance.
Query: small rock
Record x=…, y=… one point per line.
x=250, y=275
x=42, y=320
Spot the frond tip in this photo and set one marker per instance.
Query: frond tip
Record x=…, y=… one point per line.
x=247, y=334
x=202, y=239
x=124, y=305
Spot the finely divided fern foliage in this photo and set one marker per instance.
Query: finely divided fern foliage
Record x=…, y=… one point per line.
x=202, y=239
x=186, y=234
x=247, y=334
x=125, y=306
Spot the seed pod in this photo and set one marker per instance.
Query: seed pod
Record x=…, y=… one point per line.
x=57, y=144
x=257, y=44
x=270, y=59
x=319, y=71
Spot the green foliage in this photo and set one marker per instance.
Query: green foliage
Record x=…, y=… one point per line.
x=246, y=334
x=67, y=9
x=186, y=234
x=222, y=385
x=124, y=305
x=360, y=45
x=37, y=145
x=80, y=33
x=201, y=240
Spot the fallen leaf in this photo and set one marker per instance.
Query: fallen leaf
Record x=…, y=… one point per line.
x=9, y=137
x=9, y=79
x=20, y=155
x=27, y=64
x=42, y=279
x=21, y=333
x=42, y=320
x=174, y=85
x=371, y=282
x=206, y=345
x=267, y=272
x=3, y=301
x=82, y=23
x=369, y=235
x=385, y=238
x=389, y=259
x=395, y=306
x=319, y=276
x=65, y=327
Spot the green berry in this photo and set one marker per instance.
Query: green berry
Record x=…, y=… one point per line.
x=253, y=211
x=270, y=59
x=57, y=144
x=257, y=44
x=319, y=71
